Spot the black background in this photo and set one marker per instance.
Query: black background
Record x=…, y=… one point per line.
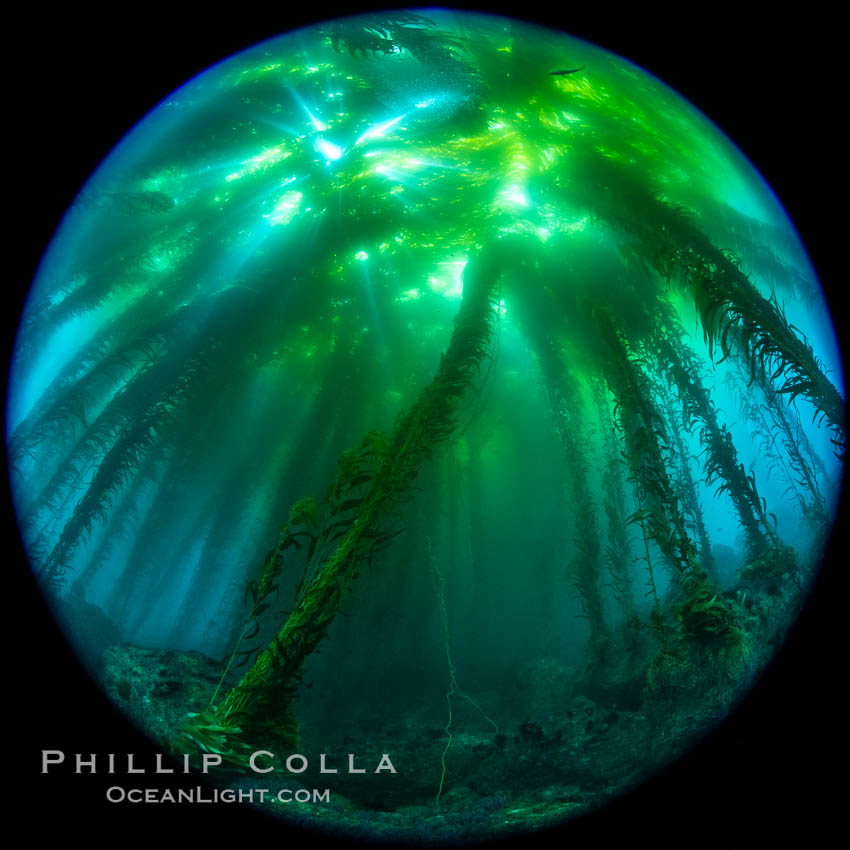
x=82, y=79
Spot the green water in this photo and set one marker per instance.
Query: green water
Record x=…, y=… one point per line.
x=575, y=550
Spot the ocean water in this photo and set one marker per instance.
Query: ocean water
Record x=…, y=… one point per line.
x=455, y=381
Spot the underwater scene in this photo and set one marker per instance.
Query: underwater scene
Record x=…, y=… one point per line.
x=425, y=426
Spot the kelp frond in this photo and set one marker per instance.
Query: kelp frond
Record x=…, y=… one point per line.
x=262, y=703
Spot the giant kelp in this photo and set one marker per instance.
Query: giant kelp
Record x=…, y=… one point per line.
x=337, y=289
x=370, y=484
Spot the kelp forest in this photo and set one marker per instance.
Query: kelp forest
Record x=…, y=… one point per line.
x=430, y=385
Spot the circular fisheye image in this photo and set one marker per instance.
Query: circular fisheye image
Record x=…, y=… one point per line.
x=425, y=427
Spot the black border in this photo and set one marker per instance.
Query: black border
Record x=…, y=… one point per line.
x=83, y=78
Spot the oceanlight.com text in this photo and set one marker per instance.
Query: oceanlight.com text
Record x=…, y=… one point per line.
x=199, y=794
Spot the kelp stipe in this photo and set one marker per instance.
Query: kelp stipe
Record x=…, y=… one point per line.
x=262, y=704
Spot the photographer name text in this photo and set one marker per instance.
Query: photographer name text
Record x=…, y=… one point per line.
x=260, y=761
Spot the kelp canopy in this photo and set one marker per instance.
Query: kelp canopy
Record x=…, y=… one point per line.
x=386, y=319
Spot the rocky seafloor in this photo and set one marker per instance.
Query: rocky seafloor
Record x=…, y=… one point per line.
x=546, y=762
